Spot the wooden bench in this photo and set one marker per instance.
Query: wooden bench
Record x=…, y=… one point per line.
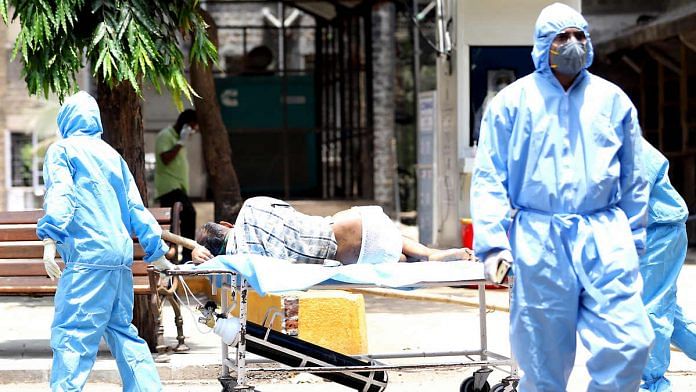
x=22, y=270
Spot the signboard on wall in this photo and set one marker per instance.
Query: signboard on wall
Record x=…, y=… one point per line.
x=427, y=122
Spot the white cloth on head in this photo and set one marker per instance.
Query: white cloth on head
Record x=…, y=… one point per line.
x=381, y=239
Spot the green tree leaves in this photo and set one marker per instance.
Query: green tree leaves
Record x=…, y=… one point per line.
x=121, y=40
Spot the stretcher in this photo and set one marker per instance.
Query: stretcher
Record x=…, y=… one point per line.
x=366, y=373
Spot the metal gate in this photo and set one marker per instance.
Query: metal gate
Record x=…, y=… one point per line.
x=345, y=100
x=340, y=68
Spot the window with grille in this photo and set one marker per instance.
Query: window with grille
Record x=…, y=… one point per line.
x=21, y=159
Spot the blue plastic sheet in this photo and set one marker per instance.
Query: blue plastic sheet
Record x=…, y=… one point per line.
x=269, y=275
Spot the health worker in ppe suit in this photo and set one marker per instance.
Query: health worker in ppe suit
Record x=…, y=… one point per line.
x=660, y=267
x=92, y=206
x=559, y=147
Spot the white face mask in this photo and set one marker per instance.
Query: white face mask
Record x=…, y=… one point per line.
x=188, y=129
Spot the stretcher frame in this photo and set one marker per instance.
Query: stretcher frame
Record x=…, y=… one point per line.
x=239, y=383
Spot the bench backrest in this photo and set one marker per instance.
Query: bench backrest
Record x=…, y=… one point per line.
x=21, y=265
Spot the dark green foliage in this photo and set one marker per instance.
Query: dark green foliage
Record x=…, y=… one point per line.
x=122, y=41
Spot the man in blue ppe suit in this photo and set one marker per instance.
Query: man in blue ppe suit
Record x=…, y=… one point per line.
x=559, y=147
x=660, y=266
x=92, y=207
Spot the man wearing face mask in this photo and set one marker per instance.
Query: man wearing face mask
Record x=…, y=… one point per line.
x=172, y=170
x=558, y=148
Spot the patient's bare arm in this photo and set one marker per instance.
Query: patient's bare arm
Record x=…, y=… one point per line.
x=415, y=250
x=452, y=255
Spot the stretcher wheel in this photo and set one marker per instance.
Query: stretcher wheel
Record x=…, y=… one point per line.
x=468, y=386
x=502, y=388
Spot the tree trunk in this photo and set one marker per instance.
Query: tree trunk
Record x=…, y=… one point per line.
x=146, y=320
x=123, y=130
x=123, y=127
x=216, y=142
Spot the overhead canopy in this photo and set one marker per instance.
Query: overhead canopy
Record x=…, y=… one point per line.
x=679, y=22
x=327, y=9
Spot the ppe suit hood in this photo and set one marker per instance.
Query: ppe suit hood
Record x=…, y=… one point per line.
x=79, y=115
x=552, y=20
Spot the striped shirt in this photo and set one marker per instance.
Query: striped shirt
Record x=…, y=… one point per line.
x=271, y=227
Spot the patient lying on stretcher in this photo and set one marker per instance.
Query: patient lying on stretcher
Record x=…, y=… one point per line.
x=271, y=227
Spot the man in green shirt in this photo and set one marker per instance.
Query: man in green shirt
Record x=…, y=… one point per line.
x=172, y=170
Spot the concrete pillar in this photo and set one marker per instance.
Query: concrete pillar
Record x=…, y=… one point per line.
x=333, y=319
x=4, y=56
x=384, y=65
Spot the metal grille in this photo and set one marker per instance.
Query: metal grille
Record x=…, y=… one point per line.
x=21, y=159
x=345, y=107
x=341, y=70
